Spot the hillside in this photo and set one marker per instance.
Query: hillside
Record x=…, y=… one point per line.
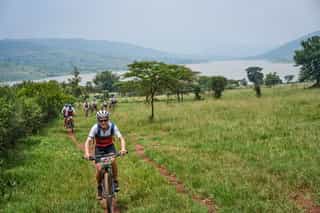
x=22, y=59
x=285, y=52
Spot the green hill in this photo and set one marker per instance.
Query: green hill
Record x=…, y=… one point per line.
x=23, y=59
x=285, y=52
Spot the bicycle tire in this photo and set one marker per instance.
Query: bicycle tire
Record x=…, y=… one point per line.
x=108, y=192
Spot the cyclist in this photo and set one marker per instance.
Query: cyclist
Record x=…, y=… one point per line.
x=94, y=106
x=68, y=112
x=64, y=113
x=102, y=133
x=104, y=105
x=86, y=107
x=112, y=102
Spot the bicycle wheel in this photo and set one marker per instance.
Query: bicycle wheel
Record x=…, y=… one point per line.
x=108, y=192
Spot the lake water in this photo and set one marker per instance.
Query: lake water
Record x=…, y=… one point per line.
x=234, y=69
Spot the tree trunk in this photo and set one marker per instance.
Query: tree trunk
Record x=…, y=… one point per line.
x=182, y=97
x=317, y=84
x=258, y=90
x=152, y=107
x=178, y=96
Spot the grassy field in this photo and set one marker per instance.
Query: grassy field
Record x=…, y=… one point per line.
x=247, y=154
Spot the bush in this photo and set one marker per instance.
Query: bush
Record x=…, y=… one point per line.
x=26, y=107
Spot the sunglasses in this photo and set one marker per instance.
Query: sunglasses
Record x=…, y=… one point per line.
x=101, y=121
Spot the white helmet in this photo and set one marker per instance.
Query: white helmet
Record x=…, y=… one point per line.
x=102, y=114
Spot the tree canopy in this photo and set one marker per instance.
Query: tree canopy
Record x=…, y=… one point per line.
x=272, y=79
x=106, y=81
x=309, y=60
x=256, y=77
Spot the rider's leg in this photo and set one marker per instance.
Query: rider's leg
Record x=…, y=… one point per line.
x=115, y=176
x=115, y=170
x=98, y=179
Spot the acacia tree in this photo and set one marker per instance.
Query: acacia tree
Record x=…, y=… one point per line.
x=272, y=79
x=151, y=76
x=309, y=60
x=179, y=79
x=256, y=77
x=218, y=84
x=106, y=81
x=74, y=82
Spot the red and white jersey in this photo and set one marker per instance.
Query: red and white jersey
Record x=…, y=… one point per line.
x=94, y=131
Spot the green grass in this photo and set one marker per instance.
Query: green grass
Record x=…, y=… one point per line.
x=247, y=154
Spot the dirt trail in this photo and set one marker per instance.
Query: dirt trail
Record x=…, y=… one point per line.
x=303, y=200
x=173, y=180
x=81, y=147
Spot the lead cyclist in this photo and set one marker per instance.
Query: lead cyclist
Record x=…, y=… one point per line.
x=102, y=134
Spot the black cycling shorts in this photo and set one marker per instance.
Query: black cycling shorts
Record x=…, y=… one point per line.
x=105, y=150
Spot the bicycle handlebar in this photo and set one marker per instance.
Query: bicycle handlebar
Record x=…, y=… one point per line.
x=92, y=158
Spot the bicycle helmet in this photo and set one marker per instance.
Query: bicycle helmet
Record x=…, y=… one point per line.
x=102, y=114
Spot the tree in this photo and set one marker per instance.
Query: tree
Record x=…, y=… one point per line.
x=74, y=82
x=309, y=60
x=288, y=78
x=218, y=84
x=179, y=79
x=151, y=76
x=204, y=83
x=106, y=81
x=272, y=79
x=256, y=77
x=243, y=82
x=197, y=91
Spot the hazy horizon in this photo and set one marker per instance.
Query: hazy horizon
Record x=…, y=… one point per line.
x=225, y=28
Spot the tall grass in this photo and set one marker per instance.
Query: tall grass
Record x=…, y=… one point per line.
x=248, y=154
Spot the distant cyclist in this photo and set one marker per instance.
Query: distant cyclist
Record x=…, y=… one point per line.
x=68, y=111
x=94, y=106
x=102, y=133
x=104, y=105
x=86, y=107
x=112, y=102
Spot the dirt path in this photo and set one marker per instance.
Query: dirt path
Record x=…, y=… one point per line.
x=180, y=188
x=81, y=147
x=303, y=200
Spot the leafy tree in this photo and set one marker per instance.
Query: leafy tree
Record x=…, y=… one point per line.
x=218, y=84
x=74, y=82
x=309, y=60
x=180, y=79
x=89, y=87
x=272, y=79
x=288, y=78
x=256, y=77
x=106, y=81
x=232, y=84
x=151, y=76
x=204, y=83
x=197, y=91
x=243, y=82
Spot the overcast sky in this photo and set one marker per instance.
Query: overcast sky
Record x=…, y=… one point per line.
x=181, y=26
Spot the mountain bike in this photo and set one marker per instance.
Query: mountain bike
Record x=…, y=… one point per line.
x=107, y=183
x=70, y=124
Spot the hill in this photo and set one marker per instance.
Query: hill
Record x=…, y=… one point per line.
x=285, y=52
x=22, y=59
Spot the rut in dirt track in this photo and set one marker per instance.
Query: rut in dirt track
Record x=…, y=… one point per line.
x=173, y=180
x=81, y=147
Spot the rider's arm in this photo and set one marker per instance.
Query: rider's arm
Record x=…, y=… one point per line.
x=121, y=138
x=87, y=146
x=90, y=140
x=123, y=144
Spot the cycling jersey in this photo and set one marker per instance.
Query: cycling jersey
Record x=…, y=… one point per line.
x=104, y=138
